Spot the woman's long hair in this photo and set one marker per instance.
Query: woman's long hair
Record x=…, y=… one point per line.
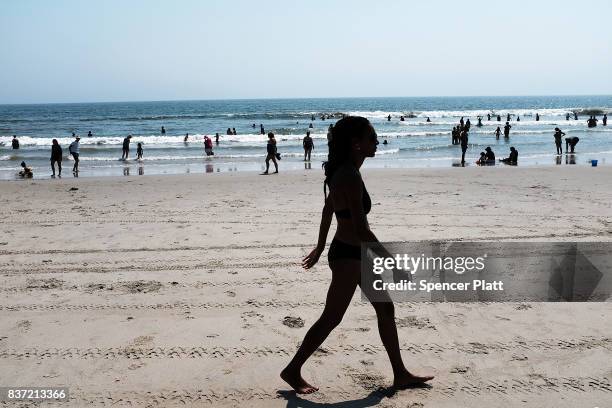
x=340, y=139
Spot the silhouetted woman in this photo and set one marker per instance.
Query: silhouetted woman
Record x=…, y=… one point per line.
x=56, y=157
x=271, y=153
x=353, y=139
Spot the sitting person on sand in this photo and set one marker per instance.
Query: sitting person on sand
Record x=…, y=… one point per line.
x=482, y=160
x=26, y=172
x=513, y=158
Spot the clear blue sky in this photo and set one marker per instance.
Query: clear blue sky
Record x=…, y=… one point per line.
x=77, y=51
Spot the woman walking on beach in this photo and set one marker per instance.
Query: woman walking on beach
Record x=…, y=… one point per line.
x=56, y=157
x=352, y=140
x=271, y=153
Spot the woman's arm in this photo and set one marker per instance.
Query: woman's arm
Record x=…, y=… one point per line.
x=326, y=218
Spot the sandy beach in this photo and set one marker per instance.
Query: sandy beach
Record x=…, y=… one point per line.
x=169, y=291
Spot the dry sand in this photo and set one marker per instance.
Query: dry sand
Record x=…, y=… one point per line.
x=172, y=291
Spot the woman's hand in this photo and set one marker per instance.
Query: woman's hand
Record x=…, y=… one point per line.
x=312, y=258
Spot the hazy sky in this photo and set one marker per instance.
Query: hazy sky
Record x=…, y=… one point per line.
x=77, y=51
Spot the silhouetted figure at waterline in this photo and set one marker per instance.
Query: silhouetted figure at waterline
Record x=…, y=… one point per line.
x=508, y=118
x=498, y=118
x=56, y=157
x=26, y=172
x=261, y=129
x=163, y=130
x=567, y=115
x=513, y=158
x=518, y=118
x=353, y=140
x=537, y=117
x=575, y=116
x=488, y=116
x=15, y=143
x=389, y=118
x=571, y=142
x=592, y=122
x=497, y=132
x=605, y=120
x=558, y=136
x=464, y=144
x=272, y=153
x=479, y=124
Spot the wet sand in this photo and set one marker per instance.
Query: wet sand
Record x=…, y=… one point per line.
x=186, y=291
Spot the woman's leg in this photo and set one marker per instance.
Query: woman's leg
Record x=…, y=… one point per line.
x=385, y=313
x=267, y=163
x=345, y=277
x=53, y=168
x=59, y=167
x=275, y=164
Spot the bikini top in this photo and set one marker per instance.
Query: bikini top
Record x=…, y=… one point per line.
x=366, y=201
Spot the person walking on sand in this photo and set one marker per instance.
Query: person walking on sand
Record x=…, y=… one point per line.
x=126, y=147
x=308, y=145
x=73, y=149
x=272, y=153
x=353, y=140
x=15, y=143
x=558, y=135
x=56, y=157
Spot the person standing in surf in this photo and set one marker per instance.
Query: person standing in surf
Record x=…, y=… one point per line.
x=352, y=140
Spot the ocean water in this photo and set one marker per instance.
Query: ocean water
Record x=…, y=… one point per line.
x=411, y=143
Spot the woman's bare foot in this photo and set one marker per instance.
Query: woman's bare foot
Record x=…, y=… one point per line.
x=407, y=380
x=296, y=382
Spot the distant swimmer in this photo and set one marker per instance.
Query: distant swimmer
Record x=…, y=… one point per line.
x=73, y=149
x=228, y=131
x=56, y=157
x=401, y=118
x=464, y=144
x=488, y=116
x=308, y=145
x=571, y=142
x=217, y=138
x=385, y=142
x=575, y=116
x=507, y=129
x=428, y=120
x=479, y=124
x=139, y=151
x=254, y=126
x=208, y=146
x=310, y=126
x=186, y=137
x=389, y=118
x=234, y=131
x=461, y=121
x=26, y=172
x=163, y=130
x=567, y=116
x=126, y=147
x=89, y=134
x=537, y=117
x=518, y=118
x=312, y=117
x=498, y=118
x=15, y=142
x=497, y=132
x=513, y=158
x=468, y=125
x=508, y=118
x=558, y=135
x=489, y=155
x=605, y=119
x=261, y=129
x=272, y=153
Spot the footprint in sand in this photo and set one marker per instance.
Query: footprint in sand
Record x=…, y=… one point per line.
x=293, y=322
